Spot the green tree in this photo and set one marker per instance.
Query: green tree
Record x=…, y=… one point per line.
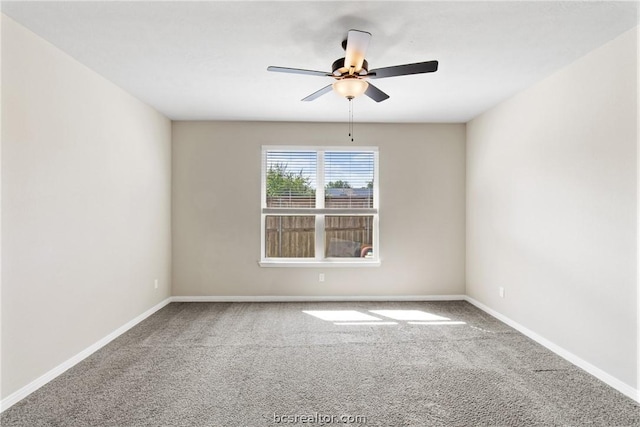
x=282, y=182
x=370, y=184
x=338, y=184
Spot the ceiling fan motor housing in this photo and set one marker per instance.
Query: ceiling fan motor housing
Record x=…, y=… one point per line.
x=338, y=68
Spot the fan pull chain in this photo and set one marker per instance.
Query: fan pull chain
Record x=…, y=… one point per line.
x=351, y=118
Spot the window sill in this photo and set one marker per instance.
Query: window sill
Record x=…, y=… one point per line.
x=318, y=264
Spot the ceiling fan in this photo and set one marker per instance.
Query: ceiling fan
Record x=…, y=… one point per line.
x=352, y=72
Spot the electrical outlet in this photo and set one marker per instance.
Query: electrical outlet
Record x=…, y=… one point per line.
x=501, y=291
x=155, y=284
x=321, y=277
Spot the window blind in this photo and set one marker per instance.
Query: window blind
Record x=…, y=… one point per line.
x=348, y=179
x=290, y=179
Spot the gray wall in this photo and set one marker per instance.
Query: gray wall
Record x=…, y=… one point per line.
x=216, y=210
x=86, y=183
x=551, y=208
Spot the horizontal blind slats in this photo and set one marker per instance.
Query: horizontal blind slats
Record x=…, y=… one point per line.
x=290, y=179
x=349, y=179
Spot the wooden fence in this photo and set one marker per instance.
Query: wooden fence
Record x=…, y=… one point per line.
x=294, y=236
x=309, y=202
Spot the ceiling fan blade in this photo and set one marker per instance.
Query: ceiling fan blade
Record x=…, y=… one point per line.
x=404, y=70
x=375, y=93
x=357, y=44
x=298, y=71
x=318, y=93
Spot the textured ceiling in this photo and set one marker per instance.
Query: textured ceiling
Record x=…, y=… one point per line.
x=208, y=60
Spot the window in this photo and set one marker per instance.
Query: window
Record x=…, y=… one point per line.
x=319, y=206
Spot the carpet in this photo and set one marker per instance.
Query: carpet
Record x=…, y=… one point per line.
x=327, y=363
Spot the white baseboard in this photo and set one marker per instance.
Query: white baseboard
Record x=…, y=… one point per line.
x=581, y=363
x=315, y=298
x=20, y=394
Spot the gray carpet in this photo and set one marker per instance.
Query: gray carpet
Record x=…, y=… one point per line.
x=238, y=364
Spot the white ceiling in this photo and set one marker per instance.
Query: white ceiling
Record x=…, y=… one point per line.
x=207, y=60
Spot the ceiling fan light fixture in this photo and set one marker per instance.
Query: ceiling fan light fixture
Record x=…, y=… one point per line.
x=350, y=87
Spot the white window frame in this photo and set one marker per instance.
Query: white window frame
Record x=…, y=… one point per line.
x=320, y=212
